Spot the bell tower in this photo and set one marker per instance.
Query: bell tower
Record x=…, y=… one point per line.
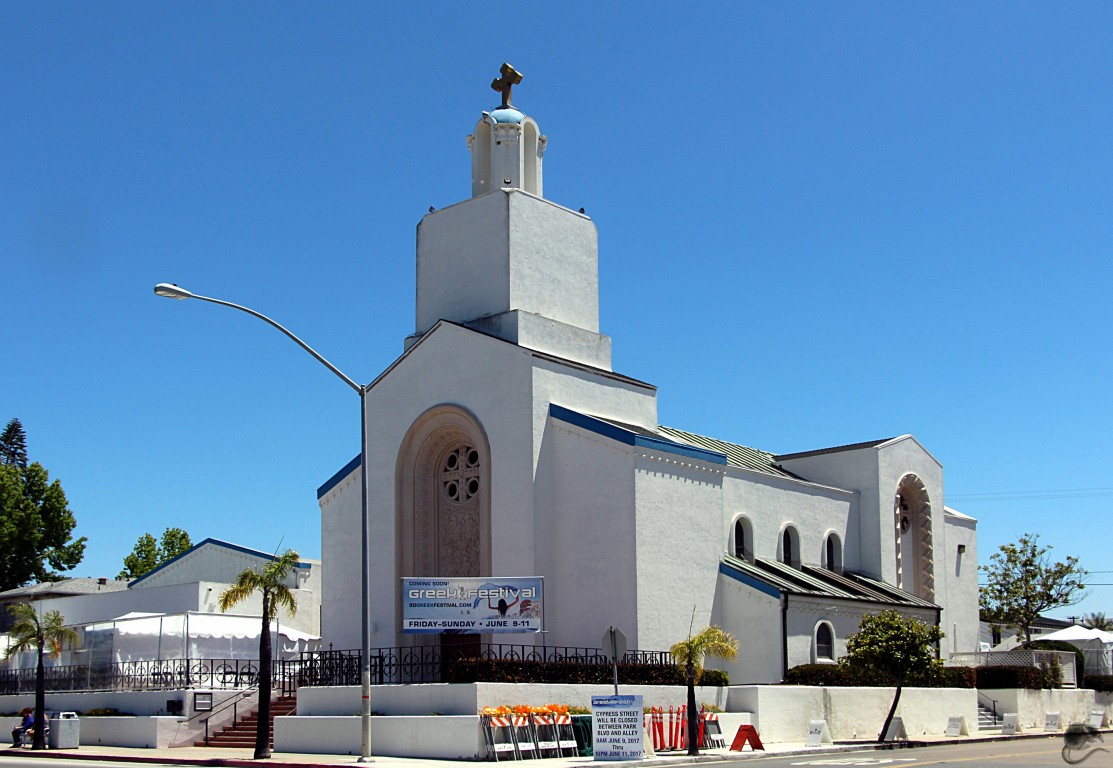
x=507, y=147
x=506, y=261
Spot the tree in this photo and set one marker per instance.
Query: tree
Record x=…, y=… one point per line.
x=1097, y=620
x=149, y=554
x=1022, y=583
x=689, y=655
x=45, y=635
x=896, y=645
x=36, y=523
x=269, y=582
x=13, y=444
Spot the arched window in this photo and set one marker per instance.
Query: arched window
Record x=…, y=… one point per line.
x=790, y=547
x=824, y=642
x=832, y=552
x=742, y=539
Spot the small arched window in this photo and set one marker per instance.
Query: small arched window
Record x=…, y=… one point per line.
x=832, y=553
x=824, y=642
x=742, y=540
x=790, y=547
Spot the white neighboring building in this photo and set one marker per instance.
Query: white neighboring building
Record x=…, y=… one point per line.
x=190, y=582
x=504, y=445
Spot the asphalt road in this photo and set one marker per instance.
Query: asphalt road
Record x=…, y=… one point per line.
x=1030, y=753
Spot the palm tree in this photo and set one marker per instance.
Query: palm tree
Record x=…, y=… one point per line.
x=44, y=635
x=270, y=584
x=1097, y=621
x=689, y=655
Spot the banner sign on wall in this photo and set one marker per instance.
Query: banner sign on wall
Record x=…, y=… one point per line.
x=471, y=606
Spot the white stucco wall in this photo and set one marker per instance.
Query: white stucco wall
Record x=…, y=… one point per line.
x=585, y=512
x=771, y=502
x=471, y=698
x=679, y=509
x=754, y=618
x=507, y=389
x=503, y=251
x=1031, y=707
x=960, y=608
x=781, y=712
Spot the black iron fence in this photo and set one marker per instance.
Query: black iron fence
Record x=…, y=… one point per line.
x=144, y=676
x=389, y=666
x=450, y=663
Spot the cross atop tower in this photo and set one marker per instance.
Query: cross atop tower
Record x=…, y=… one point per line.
x=510, y=78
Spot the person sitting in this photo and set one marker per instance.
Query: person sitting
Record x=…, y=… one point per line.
x=27, y=725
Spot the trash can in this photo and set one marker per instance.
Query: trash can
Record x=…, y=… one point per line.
x=581, y=728
x=65, y=731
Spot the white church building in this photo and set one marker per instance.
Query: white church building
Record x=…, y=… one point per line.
x=503, y=444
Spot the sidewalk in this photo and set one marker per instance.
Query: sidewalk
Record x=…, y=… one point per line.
x=222, y=756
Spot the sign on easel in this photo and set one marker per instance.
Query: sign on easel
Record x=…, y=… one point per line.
x=1051, y=721
x=1097, y=718
x=616, y=727
x=956, y=726
x=747, y=734
x=896, y=730
x=1010, y=725
x=818, y=733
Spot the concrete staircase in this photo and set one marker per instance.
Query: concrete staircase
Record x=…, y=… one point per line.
x=242, y=732
x=986, y=721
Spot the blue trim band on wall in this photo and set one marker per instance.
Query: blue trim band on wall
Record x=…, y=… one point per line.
x=334, y=481
x=749, y=581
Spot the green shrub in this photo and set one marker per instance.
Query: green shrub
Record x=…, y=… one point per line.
x=1100, y=683
x=473, y=670
x=843, y=675
x=835, y=675
x=105, y=712
x=1032, y=678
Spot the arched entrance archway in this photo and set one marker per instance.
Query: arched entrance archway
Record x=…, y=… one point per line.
x=912, y=522
x=443, y=520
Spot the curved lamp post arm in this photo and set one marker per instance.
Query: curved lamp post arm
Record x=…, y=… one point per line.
x=171, y=291
x=174, y=292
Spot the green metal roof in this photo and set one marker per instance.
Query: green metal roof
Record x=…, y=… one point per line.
x=820, y=582
x=737, y=455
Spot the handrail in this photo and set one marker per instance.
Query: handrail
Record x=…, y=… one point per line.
x=234, y=701
x=992, y=705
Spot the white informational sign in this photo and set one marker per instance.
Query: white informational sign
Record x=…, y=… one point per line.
x=1097, y=718
x=1009, y=726
x=956, y=726
x=616, y=727
x=471, y=606
x=1051, y=721
x=896, y=730
x=818, y=733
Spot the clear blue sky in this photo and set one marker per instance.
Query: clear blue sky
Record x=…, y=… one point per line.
x=819, y=223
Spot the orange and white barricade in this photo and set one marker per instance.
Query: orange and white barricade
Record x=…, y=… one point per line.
x=545, y=731
x=499, y=738
x=566, y=737
x=712, y=734
x=525, y=741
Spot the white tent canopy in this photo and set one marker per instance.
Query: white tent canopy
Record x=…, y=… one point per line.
x=148, y=637
x=1096, y=646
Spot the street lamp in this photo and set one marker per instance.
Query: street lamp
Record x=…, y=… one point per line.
x=171, y=291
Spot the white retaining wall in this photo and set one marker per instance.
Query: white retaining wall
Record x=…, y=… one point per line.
x=1073, y=705
x=456, y=737
x=781, y=712
x=470, y=698
x=149, y=728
